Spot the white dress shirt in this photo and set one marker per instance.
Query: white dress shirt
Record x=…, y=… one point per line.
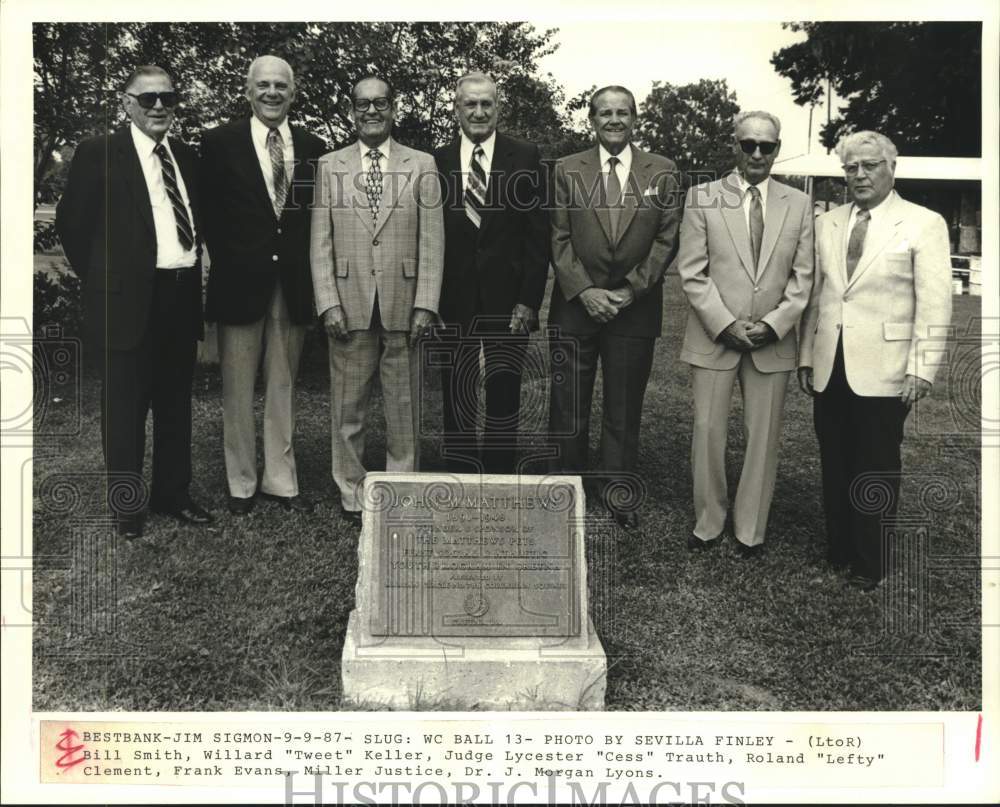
x=259, y=133
x=169, y=252
x=763, y=186
x=878, y=214
x=622, y=169
x=486, y=161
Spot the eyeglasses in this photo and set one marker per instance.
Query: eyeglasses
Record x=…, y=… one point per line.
x=147, y=100
x=851, y=169
x=364, y=104
x=750, y=146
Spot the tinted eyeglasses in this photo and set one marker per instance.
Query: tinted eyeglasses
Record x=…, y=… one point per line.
x=364, y=104
x=851, y=169
x=750, y=146
x=147, y=100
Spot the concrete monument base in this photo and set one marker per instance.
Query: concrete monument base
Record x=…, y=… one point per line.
x=464, y=673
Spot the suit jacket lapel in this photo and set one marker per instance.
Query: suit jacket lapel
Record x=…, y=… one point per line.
x=499, y=168
x=394, y=182
x=637, y=182
x=731, y=202
x=592, y=184
x=774, y=219
x=135, y=180
x=877, y=239
x=353, y=182
x=246, y=158
x=452, y=168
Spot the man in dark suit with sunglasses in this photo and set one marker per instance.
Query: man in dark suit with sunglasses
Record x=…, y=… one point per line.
x=130, y=226
x=258, y=178
x=746, y=264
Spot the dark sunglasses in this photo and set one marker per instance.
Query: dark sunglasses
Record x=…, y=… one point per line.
x=750, y=146
x=147, y=100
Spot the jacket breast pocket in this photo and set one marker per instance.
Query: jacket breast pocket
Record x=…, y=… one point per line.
x=342, y=267
x=409, y=268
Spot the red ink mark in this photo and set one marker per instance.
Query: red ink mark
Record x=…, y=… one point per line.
x=979, y=736
x=66, y=745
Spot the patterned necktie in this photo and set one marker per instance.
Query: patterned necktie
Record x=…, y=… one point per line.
x=614, y=196
x=373, y=183
x=275, y=147
x=185, y=233
x=475, y=188
x=856, y=243
x=756, y=224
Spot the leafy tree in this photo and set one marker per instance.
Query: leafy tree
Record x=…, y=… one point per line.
x=916, y=82
x=691, y=124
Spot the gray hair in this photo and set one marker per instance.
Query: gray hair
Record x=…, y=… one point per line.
x=476, y=77
x=760, y=114
x=850, y=142
x=269, y=58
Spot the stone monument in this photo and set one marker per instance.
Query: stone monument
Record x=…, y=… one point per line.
x=472, y=594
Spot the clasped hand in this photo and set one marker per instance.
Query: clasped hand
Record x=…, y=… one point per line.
x=603, y=305
x=744, y=335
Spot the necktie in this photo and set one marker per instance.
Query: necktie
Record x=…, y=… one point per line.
x=373, y=183
x=275, y=147
x=475, y=188
x=614, y=196
x=756, y=224
x=185, y=233
x=856, y=243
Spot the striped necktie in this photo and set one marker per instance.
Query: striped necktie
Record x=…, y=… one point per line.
x=276, y=150
x=475, y=188
x=185, y=233
x=614, y=191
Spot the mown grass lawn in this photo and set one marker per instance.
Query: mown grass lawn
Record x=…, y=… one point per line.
x=251, y=615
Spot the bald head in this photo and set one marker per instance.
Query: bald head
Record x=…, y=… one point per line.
x=270, y=89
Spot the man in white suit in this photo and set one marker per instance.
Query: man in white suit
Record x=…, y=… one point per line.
x=377, y=261
x=746, y=263
x=883, y=287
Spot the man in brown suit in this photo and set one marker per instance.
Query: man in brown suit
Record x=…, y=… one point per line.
x=614, y=231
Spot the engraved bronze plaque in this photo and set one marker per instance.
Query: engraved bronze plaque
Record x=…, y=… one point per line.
x=475, y=558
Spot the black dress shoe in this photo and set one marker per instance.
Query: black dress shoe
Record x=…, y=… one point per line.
x=626, y=519
x=352, y=516
x=696, y=544
x=746, y=552
x=239, y=506
x=188, y=512
x=299, y=503
x=862, y=583
x=129, y=527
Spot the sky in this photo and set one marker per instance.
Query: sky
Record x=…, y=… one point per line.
x=682, y=52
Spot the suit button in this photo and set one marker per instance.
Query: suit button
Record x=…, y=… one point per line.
x=274, y=257
x=756, y=289
x=375, y=243
x=279, y=231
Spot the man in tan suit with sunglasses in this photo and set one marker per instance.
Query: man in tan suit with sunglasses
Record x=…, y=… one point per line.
x=746, y=263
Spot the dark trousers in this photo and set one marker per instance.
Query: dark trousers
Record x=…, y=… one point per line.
x=156, y=373
x=858, y=435
x=460, y=384
x=626, y=362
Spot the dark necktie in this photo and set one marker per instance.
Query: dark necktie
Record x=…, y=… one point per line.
x=275, y=148
x=185, y=233
x=475, y=187
x=856, y=243
x=614, y=196
x=373, y=184
x=756, y=225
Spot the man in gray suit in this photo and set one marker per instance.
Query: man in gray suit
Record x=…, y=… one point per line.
x=377, y=261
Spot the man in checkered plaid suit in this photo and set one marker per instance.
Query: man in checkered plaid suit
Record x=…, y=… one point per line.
x=377, y=261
